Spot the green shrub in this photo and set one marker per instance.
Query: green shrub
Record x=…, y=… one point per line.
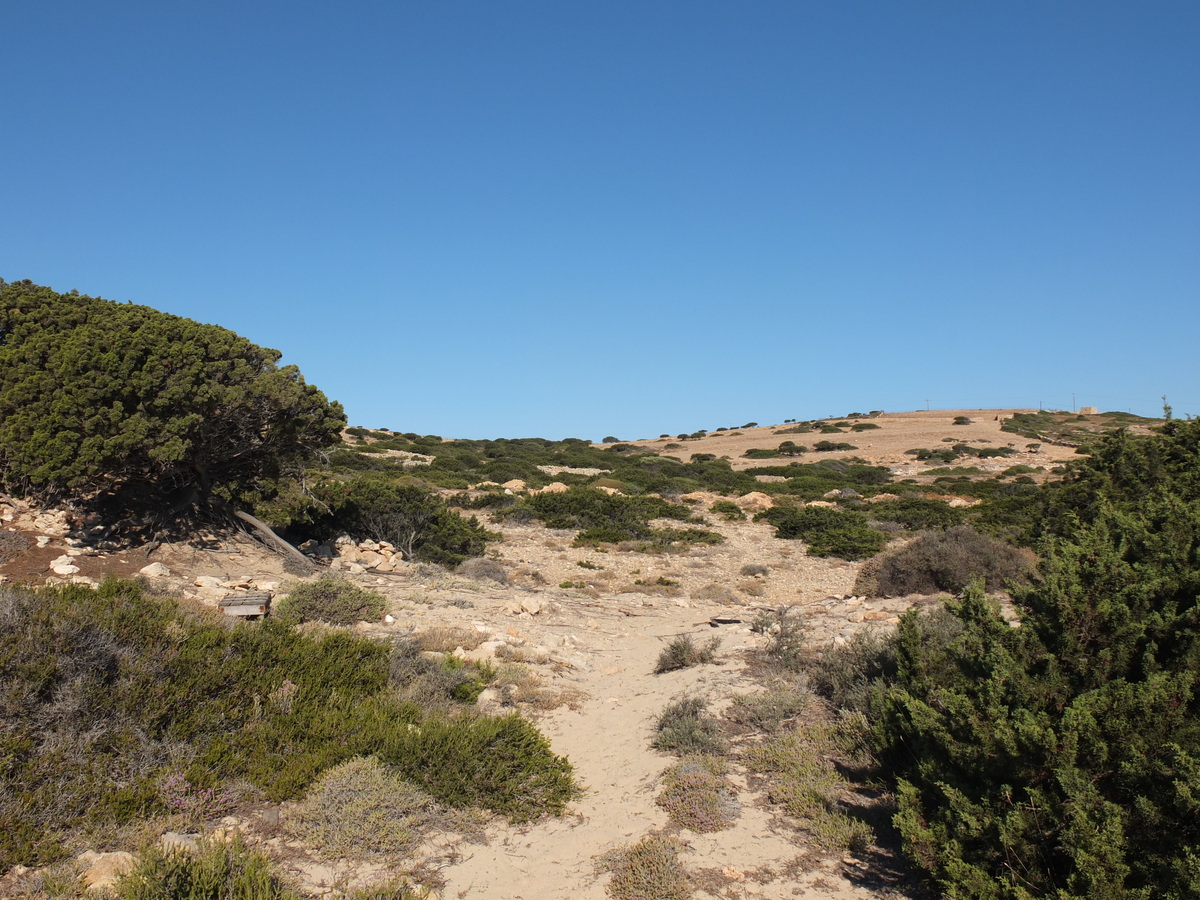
x=805, y=783
x=863, y=426
x=333, y=600
x=917, y=513
x=216, y=871
x=683, y=653
x=832, y=446
x=828, y=532
x=728, y=510
x=947, y=561
x=503, y=764
x=685, y=728
x=761, y=453
x=961, y=420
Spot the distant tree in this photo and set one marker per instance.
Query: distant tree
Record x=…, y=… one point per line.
x=117, y=403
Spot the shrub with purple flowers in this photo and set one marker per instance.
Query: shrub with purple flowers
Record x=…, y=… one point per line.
x=194, y=803
x=695, y=795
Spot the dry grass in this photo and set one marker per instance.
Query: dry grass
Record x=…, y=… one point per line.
x=647, y=870
x=447, y=638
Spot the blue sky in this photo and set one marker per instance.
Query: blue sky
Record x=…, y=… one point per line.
x=489, y=218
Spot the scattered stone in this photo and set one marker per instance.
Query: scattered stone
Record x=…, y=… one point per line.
x=154, y=570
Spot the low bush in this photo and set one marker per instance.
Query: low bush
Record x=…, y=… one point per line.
x=728, y=510
x=683, y=653
x=685, y=728
x=770, y=710
x=333, y=600
x=832, y=446
x=947, y=561
x=104, y=692
x=361, y=808
x=696, y=796
x=483, y=569
x=647, y=870
x=751, y=569
x=217, y=870
x=828, y=532
x=805, y=784
x=787, y=639
x=761, y=453
x=917, y=513
x=961, y=420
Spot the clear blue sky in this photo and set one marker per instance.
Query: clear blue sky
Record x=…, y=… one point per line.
x=492, y=218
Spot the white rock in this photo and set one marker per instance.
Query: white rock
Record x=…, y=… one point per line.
x=154, y=570
x=43, y=540
x=356, y=569
x=268, y=586
x=63, y=560
x=373, y=546
x=85, y=579
x=370, y=558
x=389, y=619
x=208, y=582
x=531, y=605
x=64, y=569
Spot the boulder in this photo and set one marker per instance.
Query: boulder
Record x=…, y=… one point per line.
x=154, y=570
x=515, y=485
x=755, y=501
x=103, y=869
x=554, y=487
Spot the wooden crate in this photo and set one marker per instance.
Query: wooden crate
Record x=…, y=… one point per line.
x=246, y=604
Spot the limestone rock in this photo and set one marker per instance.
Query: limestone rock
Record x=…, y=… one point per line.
x=755, y=501
x=103, y=869
x=515, y=485
x=154, y=570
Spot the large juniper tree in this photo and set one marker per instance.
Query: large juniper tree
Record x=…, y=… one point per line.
x=102, y=401
x=1062, y=758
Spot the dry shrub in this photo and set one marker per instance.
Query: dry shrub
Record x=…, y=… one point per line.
x=483, y=569
x=446, y=638
x=769, y=710
x=752, y=588
x=751, y=569
x=717, y=593
x=362, y=808
x=682, y=653
x=647, y=870
x=946, y=561
x=685, y=728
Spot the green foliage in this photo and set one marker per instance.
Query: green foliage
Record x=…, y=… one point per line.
x=832, y=446
x=828, y=532
x=961, y=420
x=729, y=511
x=610, y=518
x=1062, y=758
x=412, y=518
x=150, y=408
x=332, y=600
x=103, y=691
x=917, y=513
x=805, y=784
x=218, y=870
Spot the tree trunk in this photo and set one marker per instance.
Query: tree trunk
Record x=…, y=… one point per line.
x=304, y=565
